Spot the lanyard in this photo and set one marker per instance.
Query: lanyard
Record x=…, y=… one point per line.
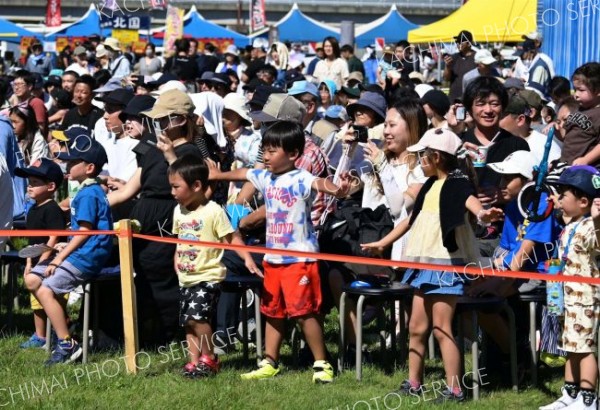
x=563, y=260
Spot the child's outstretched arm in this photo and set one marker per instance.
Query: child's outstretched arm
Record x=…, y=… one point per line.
x=73, y=244
x=236, y=239
x=215, y=173
x=328, y=187
x=484, y=216
x=379, y=246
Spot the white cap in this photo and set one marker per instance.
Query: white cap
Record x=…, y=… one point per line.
x=169, y=85
x=260, y=42
x=441, y=139
x=237, y=103
x=422, y=89
x=519, y=162
x=484, y=56
x=534, y=35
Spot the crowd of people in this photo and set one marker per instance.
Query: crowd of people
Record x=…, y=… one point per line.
x=259, y=146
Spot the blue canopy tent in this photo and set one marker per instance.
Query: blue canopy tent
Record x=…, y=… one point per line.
x=87, y=25
x=392, y=27
x=570, y=42
x=196, y=26
x=296, y=26
x=12, y=33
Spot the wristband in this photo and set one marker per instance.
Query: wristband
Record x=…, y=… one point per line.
x=53, y=264
x=480, y=221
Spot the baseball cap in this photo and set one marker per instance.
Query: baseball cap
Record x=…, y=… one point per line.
x=42, y=168
x=79, y=50
x=514, y=83
x=69, y=134
x=416, y=75
x=423, y=89
x=534, y=35
x=484, y=56
x=291, y=76
x=519, y=162
x=583, y=177
x=136, y=105
x=351, y=91
x=169, y=86
x=169, y=103
x=525, y=46
x=38, y=80
x=437, y=100
x=252, y=84
x=463, y=36
x=532, y=98
x=388, y=49
x=120, y=96
x=517, y=105
x=336, y=112
x=101, y=51
x=54, y=80
x=440, y=139
x=280, y=107
x=112, y=43
x=85, y=148
x=111, y=85
x=261, y=95
x=303, y=86
x=260, y=42
x=355, y=76
x=162, y=79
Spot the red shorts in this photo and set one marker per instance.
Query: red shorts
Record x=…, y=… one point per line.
x=291, y=290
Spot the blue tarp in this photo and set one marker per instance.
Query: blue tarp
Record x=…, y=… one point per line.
x=196, y=26
x=392, y=27
x=12, y=33
x=296, y=26
x=88, y=24
x=571, y=35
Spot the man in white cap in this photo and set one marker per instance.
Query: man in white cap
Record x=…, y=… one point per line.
x=119, y=66
x=258, y=57
x=533, y=66
x=485, y=67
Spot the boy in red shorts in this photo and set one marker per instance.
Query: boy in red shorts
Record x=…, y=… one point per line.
x=291, y=287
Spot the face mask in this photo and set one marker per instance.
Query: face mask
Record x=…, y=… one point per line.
x=149, y=53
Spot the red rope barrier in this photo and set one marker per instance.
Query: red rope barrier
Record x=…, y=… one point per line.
x=471, y=269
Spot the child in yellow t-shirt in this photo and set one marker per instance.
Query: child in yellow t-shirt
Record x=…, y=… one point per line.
x=199, y=268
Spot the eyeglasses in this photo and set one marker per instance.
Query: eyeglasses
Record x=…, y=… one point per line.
x=19, y=83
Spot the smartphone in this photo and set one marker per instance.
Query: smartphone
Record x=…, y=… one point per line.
x=157, y=128
x=460, y=113
x=361, y=133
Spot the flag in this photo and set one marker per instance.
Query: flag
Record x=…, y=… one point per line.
x=379, y=43
x=258, y=18
x=53, y=17
x=174, y=27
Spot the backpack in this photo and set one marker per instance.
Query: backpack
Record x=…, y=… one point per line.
x=346, y=228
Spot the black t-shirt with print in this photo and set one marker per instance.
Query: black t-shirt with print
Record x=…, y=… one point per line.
x=45, y=216
x=583, y=134
x=74, y=119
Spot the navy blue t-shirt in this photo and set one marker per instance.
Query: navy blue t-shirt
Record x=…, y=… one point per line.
x=91, y=205
x=543, y=233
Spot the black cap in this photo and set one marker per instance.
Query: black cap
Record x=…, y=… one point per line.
x=62, y=98
x=525, y=46
x=120, y=96
x=137, y=104
x=292, y=76
x=438, y=101
x=83, y=147
x=261, y=95
x=464, y=35
x=206, y=76
x=252, y=84
x=517, y=105
x=54, y=80
x=374, y=88
x=42, y=168
x=351, y=91
x=38, y=80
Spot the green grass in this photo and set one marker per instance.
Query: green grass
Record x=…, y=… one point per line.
x=103, y=383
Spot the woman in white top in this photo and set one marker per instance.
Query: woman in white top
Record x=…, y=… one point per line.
x=332, y=67
x=32, y=143
x=396, y=177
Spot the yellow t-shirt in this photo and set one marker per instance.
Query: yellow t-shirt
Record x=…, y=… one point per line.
x=196, y=264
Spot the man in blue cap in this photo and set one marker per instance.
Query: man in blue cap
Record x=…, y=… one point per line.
x=83, y=256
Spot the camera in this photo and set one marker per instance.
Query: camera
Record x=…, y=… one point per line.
x=361, y=133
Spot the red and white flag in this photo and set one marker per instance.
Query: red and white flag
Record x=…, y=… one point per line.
x=379, y=43
x=258, y=17
x=53, y=16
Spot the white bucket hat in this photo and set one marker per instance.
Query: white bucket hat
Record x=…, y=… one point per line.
x=237, y=103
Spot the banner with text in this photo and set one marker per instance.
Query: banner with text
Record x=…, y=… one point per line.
x=53, y=16
x=258, y=18
x=174, y=26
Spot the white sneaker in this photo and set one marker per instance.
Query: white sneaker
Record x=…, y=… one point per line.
x=562, y=403
x=578, y=404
